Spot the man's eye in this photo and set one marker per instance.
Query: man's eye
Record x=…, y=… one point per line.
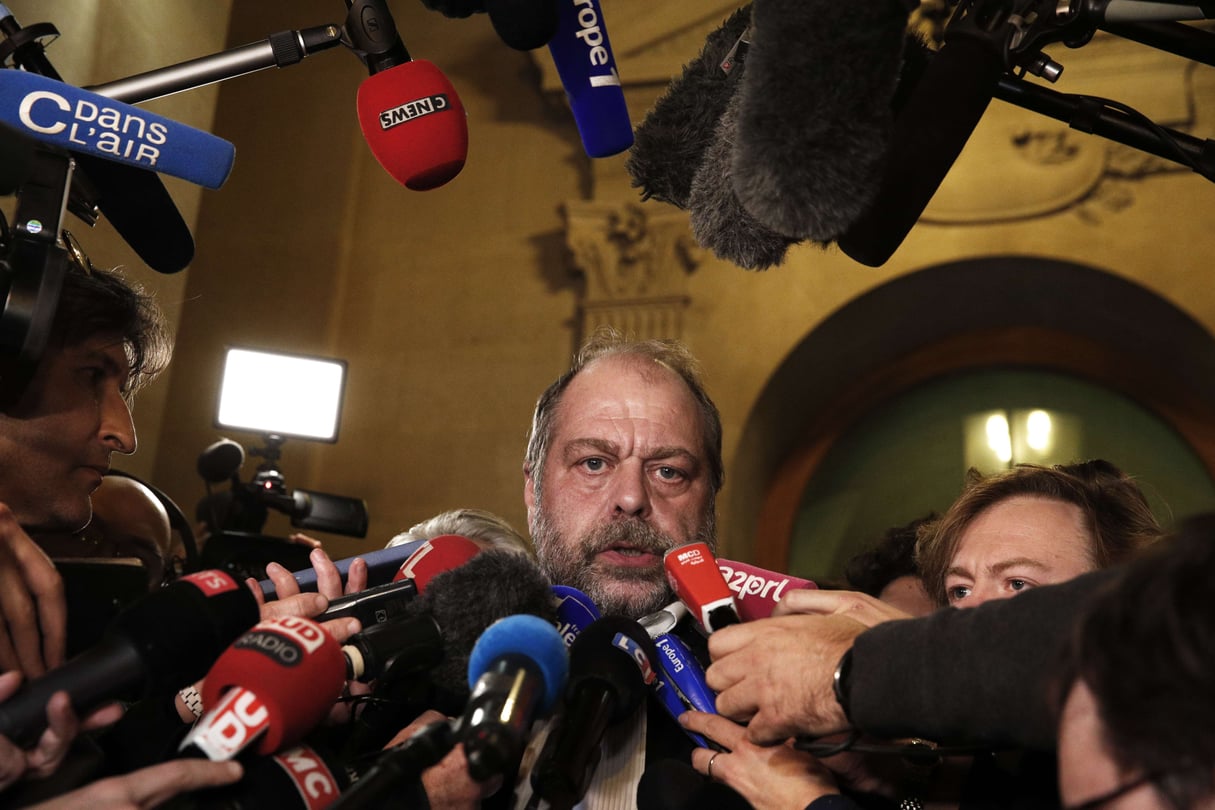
x=957, y=593
x=1018, y=584
x=593, y=464
x=670, y=473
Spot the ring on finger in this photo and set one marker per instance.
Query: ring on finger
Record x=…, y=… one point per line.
x=709, y=769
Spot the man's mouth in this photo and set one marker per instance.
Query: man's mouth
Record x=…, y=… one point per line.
x=627, y=555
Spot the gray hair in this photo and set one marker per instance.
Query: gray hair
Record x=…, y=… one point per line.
x=475, y=524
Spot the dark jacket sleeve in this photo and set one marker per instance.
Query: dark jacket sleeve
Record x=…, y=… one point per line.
x=976, y=676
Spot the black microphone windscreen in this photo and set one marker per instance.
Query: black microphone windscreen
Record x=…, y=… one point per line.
x=816, y=116
x=466, y=600
x=595, y=656
x=719, y=221
x=670, y=143
x=220, y=461
x=181, y=629
x=524, y=24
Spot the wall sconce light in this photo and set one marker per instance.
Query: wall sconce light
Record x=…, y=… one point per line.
x=996, y=440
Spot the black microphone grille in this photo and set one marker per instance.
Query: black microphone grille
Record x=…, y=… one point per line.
x=220, y=461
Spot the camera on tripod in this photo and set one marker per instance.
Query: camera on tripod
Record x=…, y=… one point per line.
x=277, y=395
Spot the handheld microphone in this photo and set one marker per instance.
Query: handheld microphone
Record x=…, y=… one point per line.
x=610, y=665
x=305, y=777
x=442, y=625
x=269, y=689
x=575, y=612
x=434, y=556
x=411, y=117
x=70, y=118
x=386, y=602
x=697, y=581
x=757, y=590
x=680, y=684
x=163, y=642
x=584, y=61
x=516, y=672
x=382, y=565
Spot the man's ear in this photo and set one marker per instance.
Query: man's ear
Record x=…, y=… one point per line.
x=529, y=494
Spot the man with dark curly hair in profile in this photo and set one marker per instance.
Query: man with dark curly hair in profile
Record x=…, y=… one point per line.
x=1137, y=711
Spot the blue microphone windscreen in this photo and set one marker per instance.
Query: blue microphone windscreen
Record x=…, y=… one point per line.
x=70, y=118
x=529, y=636
x=584, y=60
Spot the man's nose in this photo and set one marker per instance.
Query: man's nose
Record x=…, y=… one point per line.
x=117, y=427
x=631, y=495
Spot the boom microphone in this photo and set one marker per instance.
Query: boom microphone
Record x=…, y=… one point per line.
x=584, y=60
x=672, y=139
x=940, y=113
x=815, y=114
x=611, y=664
x=163, y=642
x=135, y=201
x=269, y=689
x=697, y=581
x=70, y=118
x=411, y=117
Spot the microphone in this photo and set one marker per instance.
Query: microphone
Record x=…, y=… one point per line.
x=697, y=581
x=443, y=624
x=411, y=117
x=672, y=139
x=434, y=556
x=304, y=777
x=611, y=664
x=584, y=61
x=382, y=565
x=58, y=114
x=157, y=645
x=220, y=461
x=516, y=672
x=383, y=603
x=815, y=111
x=757, y=590
x=719, y=220
x=940, y=112
x=524, y=24
x=269, y=689
x=680, y=684
x=575, y=612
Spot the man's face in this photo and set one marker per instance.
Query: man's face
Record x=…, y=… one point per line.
x=56, y=441
x=1017, y=544
x=625, y=479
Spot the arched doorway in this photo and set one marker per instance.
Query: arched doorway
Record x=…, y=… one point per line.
x=1012, y=313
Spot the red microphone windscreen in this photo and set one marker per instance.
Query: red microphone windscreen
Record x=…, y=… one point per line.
x=293, y=669
x=757, y=590
x=414, y=123
x=694, y=576
x=439, y=554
